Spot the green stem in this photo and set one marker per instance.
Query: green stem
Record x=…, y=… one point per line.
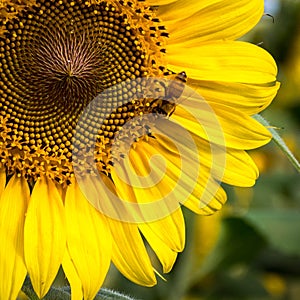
x=279, y=142
x=106, y=294
x=53, y=294
x=64, y=293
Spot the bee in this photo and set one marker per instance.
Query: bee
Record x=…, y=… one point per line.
x=173, y=89
x=176, y=87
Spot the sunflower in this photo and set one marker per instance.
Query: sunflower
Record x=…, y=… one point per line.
x=57, y=204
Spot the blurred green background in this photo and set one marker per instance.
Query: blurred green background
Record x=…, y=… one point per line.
x=251, y=249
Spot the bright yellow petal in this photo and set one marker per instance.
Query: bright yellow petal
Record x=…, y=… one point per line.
x=129, y=254
x=202, y=184
x=177, y=11
x=164, y=253
x=89, y=241
x=205, y=195
x=212, y=203
x=44, y=235
x=238, y=168
x=158, y=2
x=101, y=194
x=73, y=278
x=212, y=20
x=248, y=98
x=159, y=174
x=13, y=205
x=182, y=178
x=239, y=130
x=166, y=256
x=171, y=230
x=224, y=61
x=148, y=196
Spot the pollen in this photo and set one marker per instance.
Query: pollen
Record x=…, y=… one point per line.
x=55, y=58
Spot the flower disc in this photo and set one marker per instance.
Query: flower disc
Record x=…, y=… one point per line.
x=56, y=56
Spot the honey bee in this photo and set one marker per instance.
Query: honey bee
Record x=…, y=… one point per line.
x=173, y=90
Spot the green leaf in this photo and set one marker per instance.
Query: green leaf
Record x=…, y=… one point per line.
x=280, y=227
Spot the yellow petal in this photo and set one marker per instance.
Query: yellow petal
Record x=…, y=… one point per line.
x=193, y=173
x=237, y=168
x=89, y=241
x=184, y=175
x=239, y=130
x=147, y=196
x=199, y=178
x=166, y=256
x=73, y=278
x=2, y=180
x=159, y=2
x=212, y=20
x=13, y=205
x=164, y=253
x=240, y=169
x=248, y=98
x=100, y=192
x=129, y=254
x=177, y=11
x=202, y=187
x=156, y=177
x=212, y=203
x=224, y=61
x=207, y=194
x=44, y=235
x=170, y=230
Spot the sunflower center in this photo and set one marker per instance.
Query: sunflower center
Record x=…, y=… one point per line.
x=64, y=66
x=55, y=58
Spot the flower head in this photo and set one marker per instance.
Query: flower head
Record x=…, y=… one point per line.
x=90, y=92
